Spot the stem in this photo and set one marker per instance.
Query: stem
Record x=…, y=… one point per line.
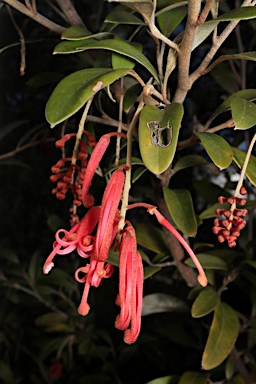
x=246, y=161
x=37, y=17
x=120, y=123
x=80, y=130
x=127, y=184
x=22, y=43
x=241, y=366
x=106, y=121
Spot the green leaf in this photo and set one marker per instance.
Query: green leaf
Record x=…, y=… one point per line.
x=217, y=148
x=247, y=94
x=144, y=7
x=243, y=113
x=194, y=378
x=75, y=33
x=170, y=19
x=150, y=271
x=123, y=17
x=9, y=255
x=151, y=238
x=239, y=158
x=225, y=78
x=180, y=206
x=208, y=262
x=156, y=158
x=189, y=161
x=161, y=302
x=131, y=96
x=120, y=46
x=202, y=33
x=137, y=173
x=223, y=334
x=50, y=318
x=242, y=13
x=121, y=61
x=76, y=89
x=205, y=303
x=163, y=380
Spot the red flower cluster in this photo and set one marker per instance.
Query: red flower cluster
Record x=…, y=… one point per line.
x=229, y=228
x=69, y=175
x=95, y=248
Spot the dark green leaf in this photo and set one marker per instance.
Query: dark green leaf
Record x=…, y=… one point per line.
x=137, y=173
x=241, y=13
x=131, y=96
x=205, y=302
x=217, y=148
x=161, y=302
x=243, y=113
x=120, y=46
x=208, y=262
x=223, y=334
x=247, y=94
x=225, y=78
x=151, y=238
x=156, y=158
x=239, y=158
x=9, y=255
x=194, y=378
x=150, y=271
x=123, y=17
x=189, y=161
x=10, y=127
x=76, y=89
x=180, y=206
x=169, y=20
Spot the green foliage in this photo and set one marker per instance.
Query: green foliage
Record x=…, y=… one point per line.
x=131, y=62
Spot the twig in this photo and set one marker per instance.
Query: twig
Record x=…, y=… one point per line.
x=106, y=121
x=22, y=43
x=216, y=45
x=235, y=356
x=205, y=12
x=23, y=147
x=120, y=122
x=71, y=14
x=37, y=17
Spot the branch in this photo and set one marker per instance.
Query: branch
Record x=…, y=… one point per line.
x=71, y=14
x=216, y=45
x=36, y=17
x=184, y=82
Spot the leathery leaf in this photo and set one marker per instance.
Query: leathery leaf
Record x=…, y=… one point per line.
x=158, y=135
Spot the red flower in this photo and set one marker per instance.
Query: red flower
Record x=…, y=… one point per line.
x=109, y=210
x=94, y=273
x=77, y=238
x=130, y=287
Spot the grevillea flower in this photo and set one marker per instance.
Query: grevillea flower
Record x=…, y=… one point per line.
x=92, y=165
x=202, y=279
x=109, y=210
x=94, y=273
x=79, y=238
x=130, y=287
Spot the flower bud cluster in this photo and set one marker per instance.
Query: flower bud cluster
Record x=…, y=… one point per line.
x=69, y=175
x=230, y=226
